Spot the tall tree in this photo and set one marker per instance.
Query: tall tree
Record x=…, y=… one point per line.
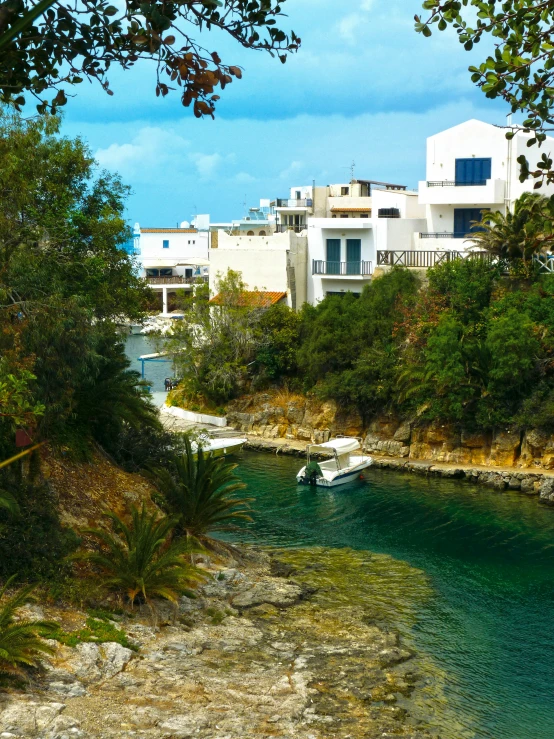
x=69, y=42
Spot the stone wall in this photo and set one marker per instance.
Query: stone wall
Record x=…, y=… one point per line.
x=295, y=417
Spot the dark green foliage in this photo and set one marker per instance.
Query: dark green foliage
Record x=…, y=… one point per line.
x=33, y=543
x=350, y=346
x=140, y=559
x=279, y=330
x=45, y=45
x=21, y=645
x=99, y=629
x=200, y=493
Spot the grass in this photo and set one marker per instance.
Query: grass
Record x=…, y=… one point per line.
x=98, y=629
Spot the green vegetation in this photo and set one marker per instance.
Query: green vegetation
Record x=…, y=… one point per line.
x=99, y=629
x=21, y=642
x=140, y=560
x=47, y=43
x=200, y=493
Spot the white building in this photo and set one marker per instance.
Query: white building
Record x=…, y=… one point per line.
x=172, y=259
x=471, y=167
x=273, y=263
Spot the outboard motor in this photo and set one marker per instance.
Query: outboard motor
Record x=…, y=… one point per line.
x=311, y=473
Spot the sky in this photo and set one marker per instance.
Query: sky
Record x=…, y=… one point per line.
x=364, y=88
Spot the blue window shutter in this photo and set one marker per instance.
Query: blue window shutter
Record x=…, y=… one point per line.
x=166, y=244
x=353, y=256
x=473, y=171
x=333, y=256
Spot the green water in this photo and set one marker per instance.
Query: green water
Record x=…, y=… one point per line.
x=489, y=561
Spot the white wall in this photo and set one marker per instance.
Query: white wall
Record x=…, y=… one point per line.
x=262, y=261
x=182, y=245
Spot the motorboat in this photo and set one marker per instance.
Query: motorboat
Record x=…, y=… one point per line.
x=346, y=462
x=218, y=447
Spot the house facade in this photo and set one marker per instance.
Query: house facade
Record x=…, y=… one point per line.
x=171, y=259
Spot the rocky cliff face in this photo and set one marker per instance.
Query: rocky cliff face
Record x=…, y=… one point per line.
x=294, y=417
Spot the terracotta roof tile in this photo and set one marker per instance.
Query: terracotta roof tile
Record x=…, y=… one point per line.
x=254, y=298
x=337, y=208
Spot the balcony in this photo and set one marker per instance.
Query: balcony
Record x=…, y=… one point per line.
x=282, y=228
x=176, y=280
x=341, y=269
x=450, y=192
x=293, y=203
x=425, y=259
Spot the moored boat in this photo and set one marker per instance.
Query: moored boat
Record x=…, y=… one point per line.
x=218, y=447
x=346, y=463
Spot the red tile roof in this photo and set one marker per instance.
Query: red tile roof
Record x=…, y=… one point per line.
x=254, y=299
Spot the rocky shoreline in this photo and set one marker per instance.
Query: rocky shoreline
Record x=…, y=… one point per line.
x=271, y=646
x=537, y=482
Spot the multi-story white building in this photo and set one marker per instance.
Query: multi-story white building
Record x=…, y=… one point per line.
x=171, y=259
x=471, y=168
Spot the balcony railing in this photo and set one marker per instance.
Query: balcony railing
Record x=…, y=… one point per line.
x=320, y=267
x=293, y=203
x=424, y=259
x=446, y=235
x=281, y=228
x=453, y=183
x=176, y=280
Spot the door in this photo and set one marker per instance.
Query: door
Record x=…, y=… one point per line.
x=473, y=171
x=353, y=256
x=462, y=221
x=333, y=257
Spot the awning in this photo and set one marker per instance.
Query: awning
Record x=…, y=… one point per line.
x=340, y=446
x=146, y=263
x=194, y=262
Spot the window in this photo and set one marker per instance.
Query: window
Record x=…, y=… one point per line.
x=166, y=272
x=344, y=215
x=353, y=256
x=333, y=257
x=250, y=233
x=462, y=221
x=364, y=215
x=298, y=195
x=342, y=292
x=152, y=273
x=473, y=171
x=263, y=233
x=345, y=191
x=334, y=216
x=166, y=243
x=188, y=272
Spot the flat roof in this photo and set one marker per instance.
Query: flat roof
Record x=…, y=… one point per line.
x=351, y=210
x=168, y=230
x=382, y=184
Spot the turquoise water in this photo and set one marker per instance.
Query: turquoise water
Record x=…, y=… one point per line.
x=154, y=372
x=490, y=561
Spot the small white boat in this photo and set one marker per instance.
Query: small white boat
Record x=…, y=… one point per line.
x=346, y=464
x=218, y=447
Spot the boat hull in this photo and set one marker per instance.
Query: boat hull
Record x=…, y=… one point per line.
x=341, y=478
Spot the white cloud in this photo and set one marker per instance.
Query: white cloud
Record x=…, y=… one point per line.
x=206, y=164
x=150, y=147
x=291, y=170
x=348, y=26
x=243, y=178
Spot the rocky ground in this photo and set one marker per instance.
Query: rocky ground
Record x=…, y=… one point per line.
x=273, y=646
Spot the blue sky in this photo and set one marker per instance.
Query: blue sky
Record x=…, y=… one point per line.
x=364, y=87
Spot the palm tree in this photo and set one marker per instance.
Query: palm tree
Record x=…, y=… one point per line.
x=200, y=493
x=8, y=502
x=520, y=233
x=141, y=559
x=21, y=644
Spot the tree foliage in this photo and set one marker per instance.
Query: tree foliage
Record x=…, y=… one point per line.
x=140, y=559
x=67, y=44
x=521, y=68
x=64, y=281
x=21, y=642
x=200, y=493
